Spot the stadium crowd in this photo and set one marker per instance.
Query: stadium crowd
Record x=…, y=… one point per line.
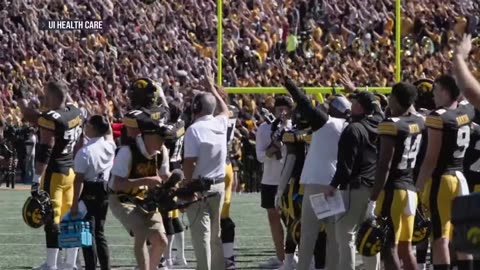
x=321, y=41
x=173, y=43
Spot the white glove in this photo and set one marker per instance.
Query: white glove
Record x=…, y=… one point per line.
x=370, y=212
x=278, y=200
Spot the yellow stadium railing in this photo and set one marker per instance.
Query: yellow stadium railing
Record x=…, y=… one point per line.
x=310, y=90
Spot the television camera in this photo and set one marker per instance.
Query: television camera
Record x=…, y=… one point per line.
x=167, y=197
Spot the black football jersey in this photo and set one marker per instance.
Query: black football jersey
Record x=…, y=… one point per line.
x=296, y=142
x=135, y=118
x=174, y=145
x=471, y=162
x=455, y=127
x=232, y=121
x=66, y=124
x=407, y=132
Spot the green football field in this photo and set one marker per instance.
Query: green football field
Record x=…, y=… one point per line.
x=23, y=247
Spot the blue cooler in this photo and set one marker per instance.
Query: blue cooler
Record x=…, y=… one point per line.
x=75, y=233
x=466, y=222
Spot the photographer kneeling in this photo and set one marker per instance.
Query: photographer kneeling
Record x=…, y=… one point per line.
x=133, y=173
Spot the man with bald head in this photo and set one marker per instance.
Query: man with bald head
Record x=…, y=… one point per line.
x=205, y=155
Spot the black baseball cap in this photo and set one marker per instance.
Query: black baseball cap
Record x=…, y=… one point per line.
x=366, y=99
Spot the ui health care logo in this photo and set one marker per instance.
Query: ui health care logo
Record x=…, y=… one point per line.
x=71, y=25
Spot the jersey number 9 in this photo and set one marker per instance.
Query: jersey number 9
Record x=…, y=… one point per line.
x=71, y=136
x=463, y=139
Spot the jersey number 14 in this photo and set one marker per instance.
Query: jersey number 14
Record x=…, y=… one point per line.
x=409, y=156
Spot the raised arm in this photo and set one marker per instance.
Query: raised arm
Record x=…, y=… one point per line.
x=222, y=106
x=469, y=86
x=315, y=116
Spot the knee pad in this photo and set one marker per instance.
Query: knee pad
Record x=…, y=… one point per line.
x=52, y=231
x=228, y=230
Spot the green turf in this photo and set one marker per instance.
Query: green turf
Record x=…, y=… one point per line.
x=22, y=247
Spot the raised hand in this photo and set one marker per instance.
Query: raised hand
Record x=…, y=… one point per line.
x=464, y=47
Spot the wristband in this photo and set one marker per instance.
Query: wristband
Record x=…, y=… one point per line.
x=37, y=178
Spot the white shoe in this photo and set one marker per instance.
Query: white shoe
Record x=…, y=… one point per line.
x=179, y=261
x=295, y=260
x=168, y=262
x=272, y=263
x=287, y=267
x=44, y=266
x=67, y=267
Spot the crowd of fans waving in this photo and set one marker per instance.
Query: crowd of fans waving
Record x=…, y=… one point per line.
x=322, y=43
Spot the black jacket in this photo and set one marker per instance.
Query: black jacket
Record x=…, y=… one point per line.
x=315, y=116
x=357, y=153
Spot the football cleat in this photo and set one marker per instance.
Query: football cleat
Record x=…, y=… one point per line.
x=37, y=210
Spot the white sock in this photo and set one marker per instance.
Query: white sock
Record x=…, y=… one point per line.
x=167, y=254
x=52, y=255
x=228, y=250
x=422, y=266
x=72, y=256
x=289, y=258
x=180, y=245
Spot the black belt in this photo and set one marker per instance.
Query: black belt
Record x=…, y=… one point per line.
x=213, y=181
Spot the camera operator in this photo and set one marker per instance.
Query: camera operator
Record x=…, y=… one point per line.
x=205, y=155
x=93, y=164
x=269, y=152
x=135, y=171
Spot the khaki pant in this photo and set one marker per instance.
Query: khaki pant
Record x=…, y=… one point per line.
x=204, y=219
x=310, y=226
x=134, y=219
x=356, y=201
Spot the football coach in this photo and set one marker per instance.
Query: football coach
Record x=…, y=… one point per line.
x=205, y=154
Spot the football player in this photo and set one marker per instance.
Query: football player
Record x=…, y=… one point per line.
x=60, y=128
x=471, y=90
x=440, y=179
x=394, y=189
x=173, y=225
x=423, y=105
x=226, y=223
x=290, y=191
x=143, y=95
x=471, y=163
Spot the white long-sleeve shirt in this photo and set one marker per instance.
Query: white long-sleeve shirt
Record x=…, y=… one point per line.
x=272, y=167
x=321, y=160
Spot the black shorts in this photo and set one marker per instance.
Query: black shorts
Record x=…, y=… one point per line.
x=172, y=225
x=267, y=194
